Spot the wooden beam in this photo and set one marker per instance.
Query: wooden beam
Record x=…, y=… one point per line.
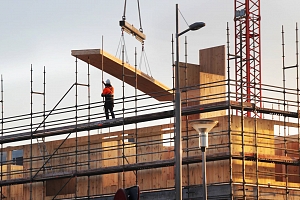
x=130, y=29
x=114, y=67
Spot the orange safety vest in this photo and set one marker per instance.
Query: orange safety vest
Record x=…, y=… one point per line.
x=108, y=93
x=108, y=90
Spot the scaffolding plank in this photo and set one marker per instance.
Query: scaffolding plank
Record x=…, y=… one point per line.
x=114, y=67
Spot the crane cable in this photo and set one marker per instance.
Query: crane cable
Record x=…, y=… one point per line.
x=139, y=11
x=119, y=49
x=143, y=55
x=140, y=18
x=124, y=17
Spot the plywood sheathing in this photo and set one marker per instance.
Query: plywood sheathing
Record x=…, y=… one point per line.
x=114, y=67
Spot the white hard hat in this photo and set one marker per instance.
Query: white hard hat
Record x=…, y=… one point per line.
x=107, y=82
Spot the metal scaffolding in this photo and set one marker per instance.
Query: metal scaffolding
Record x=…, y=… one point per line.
x=144, y=155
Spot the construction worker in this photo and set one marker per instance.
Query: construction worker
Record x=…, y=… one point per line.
x=108, y=94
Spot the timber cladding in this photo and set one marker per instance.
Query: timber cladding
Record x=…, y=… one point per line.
x=204, y=83
x=154, y=145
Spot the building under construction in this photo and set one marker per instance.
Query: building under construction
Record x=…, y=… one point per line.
x=253, y=150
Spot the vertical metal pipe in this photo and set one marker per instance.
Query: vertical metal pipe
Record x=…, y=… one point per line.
x=89, y=119
x=298, y=103
x=44, y=128
x=229, y=113
x=204, y=172
x=102, y=63
x=102, y=71
x=178, y=144
x=255, y=121
x=173, y=67
x=242, y=115
x=203, y=149
x=186, y=117
x=2, y=127
x=31, y=132
x=44, y=99
x=284, y=108
x=123, y=103
x=135, y=100
x=76, y=123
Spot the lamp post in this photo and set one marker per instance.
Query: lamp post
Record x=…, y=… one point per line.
x=178, y=143
x=203, y=126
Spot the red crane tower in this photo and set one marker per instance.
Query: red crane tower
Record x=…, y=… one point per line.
x=247, y=51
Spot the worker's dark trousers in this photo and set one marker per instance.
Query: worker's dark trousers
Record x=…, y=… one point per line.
x=109, y=107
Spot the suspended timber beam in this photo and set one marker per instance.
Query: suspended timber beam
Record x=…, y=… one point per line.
x=130, y=29
x=114, y=67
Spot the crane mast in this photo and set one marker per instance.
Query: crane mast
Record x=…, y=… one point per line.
x=247, y=51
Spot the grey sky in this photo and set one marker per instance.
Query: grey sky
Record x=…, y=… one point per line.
x=43, y=33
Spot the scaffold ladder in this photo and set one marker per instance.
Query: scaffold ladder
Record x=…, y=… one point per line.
x=41, y=141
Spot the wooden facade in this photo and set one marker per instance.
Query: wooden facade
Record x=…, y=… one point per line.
x=243, y=153
x=106, y=150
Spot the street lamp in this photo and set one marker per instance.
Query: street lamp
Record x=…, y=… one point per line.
x=203, y=126
x=178, y=143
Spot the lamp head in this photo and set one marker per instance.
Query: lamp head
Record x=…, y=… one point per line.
x=203, y=125
x=193, y=27
x=197, y=25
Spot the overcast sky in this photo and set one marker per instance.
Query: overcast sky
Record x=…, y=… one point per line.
x=43, y=33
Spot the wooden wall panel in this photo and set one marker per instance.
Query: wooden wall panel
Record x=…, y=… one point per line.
x=211, y=69
x=212, y=60
x=103, y=146
x=144, y=176
x=265, y=138
x=38, y=191
x=110, y=155
x=10, y=172
x=130, y=153
x=189, y=77
x=291, y=147
x=96, y=181
x=168, y=173
x=213, y=90
x=217, y=171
